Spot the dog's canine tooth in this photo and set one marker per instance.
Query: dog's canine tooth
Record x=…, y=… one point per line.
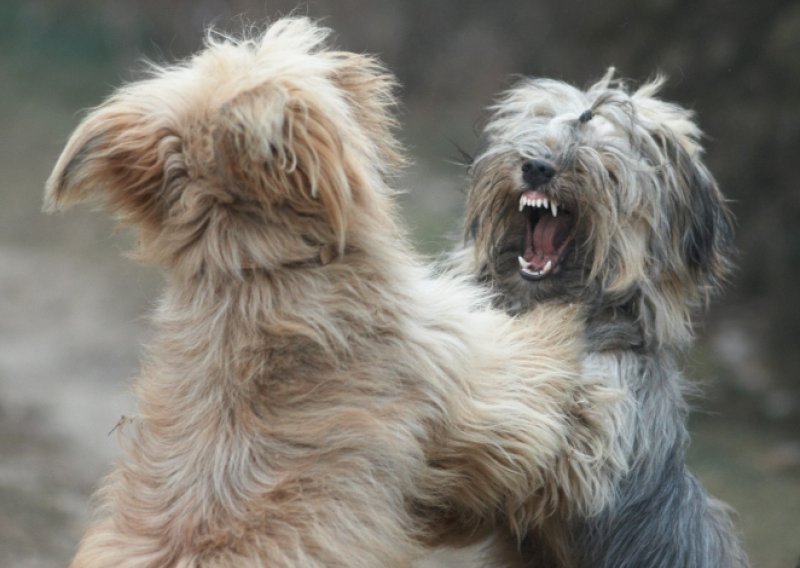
x=522, y=202
x=523, y=263
x=554, y=208
x=547, y=267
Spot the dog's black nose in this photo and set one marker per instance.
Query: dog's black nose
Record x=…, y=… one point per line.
x=537, y=172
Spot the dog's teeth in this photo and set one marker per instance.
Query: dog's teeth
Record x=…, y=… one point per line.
x=527, y=201
x=547, y=267
x=523, y=263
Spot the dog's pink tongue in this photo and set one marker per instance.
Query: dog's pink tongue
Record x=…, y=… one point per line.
x=550, y=233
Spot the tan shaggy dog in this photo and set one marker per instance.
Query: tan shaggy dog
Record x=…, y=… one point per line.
x=313, y=396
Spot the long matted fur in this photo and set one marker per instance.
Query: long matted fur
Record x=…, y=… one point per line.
x=313, y=396
x=601, y=198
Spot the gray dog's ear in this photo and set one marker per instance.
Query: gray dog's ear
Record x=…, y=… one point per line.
x=706, y=227
x=694, y=231
x=696, y=225
x=118, y=156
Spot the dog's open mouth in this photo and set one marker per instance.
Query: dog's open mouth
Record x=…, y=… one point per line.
x=547, y=237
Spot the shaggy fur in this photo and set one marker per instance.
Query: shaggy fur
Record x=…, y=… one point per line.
x=641, y=237
x=313, y=396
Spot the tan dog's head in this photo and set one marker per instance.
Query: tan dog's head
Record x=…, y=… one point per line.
x=253, y=153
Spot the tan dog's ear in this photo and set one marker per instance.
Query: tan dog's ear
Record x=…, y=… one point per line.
x=281, y=144
x=370, y=89
x=119, y=156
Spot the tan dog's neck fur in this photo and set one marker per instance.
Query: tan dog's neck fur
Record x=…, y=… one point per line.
x=308, y=408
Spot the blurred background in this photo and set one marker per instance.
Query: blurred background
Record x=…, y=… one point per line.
x=72, y=309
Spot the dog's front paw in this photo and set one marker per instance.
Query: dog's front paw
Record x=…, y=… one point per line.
x=595, y=458
x=583, y=476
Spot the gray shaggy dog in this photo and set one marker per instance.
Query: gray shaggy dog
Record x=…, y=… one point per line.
x=601, y=198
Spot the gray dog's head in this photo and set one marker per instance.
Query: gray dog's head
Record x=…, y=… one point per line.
x=598, y=197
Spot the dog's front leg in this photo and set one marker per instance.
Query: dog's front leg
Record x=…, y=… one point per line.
x=529, y=436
